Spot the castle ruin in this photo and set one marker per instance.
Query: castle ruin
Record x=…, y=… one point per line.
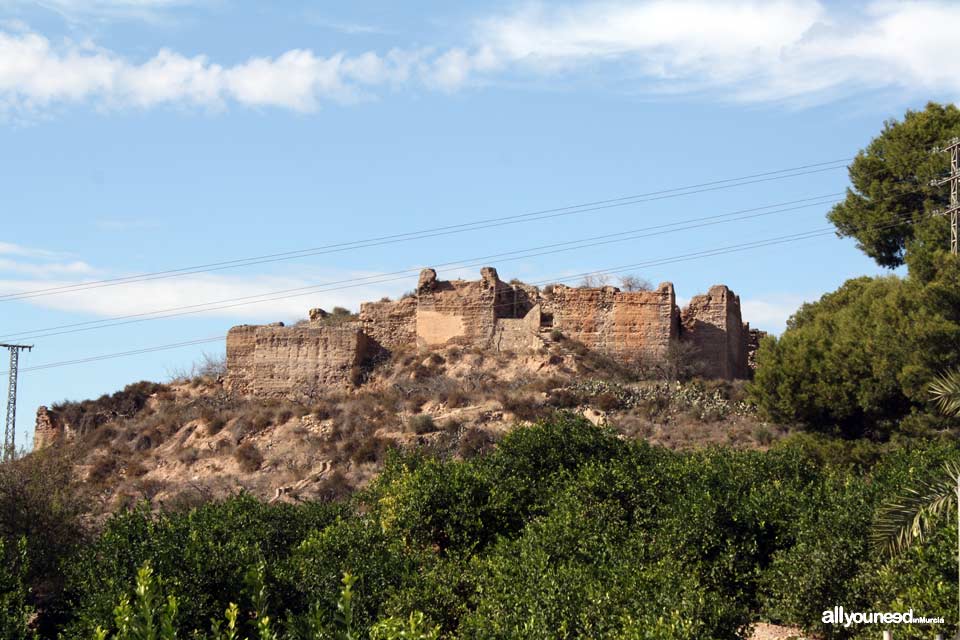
x=631, y=327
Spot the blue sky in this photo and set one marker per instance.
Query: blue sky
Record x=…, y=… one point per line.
x=144, y=135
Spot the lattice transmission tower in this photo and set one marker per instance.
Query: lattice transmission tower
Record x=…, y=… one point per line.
x=10, y=430
x=953, y=147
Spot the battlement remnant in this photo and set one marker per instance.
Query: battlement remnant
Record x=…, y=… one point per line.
x=630, y=327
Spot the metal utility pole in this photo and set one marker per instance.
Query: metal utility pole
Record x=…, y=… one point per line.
x=954, y=179
x=9, y=431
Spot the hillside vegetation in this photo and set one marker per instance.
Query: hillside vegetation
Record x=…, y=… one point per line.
x=563, y=530
x=190, y=441
x=467, y=494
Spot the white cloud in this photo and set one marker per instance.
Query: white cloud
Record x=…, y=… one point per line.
x=14, y=24
x=126, y=223
x=771, y=314
x=204, y=289
x=348, y=28
x=30, y=270
x=75, y=268
x=674, y=37
x=747, y=50
x=11, y=249
x=34, y=73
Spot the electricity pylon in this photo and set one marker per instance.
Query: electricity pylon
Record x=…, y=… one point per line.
x=9, y=431
x=954, y=179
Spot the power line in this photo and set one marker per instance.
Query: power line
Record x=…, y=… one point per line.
x=796, y=237
x=51, y=365
x=598, y=205
x=634, y=234
x=394, y=276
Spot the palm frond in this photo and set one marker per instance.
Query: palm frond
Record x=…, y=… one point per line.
x=945, y=391
x=910, y=518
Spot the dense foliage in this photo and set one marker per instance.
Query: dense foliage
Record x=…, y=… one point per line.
x=564, y=530
x=887, y=208
x=860, y=359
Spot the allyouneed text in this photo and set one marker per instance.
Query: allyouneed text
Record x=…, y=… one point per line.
x=846, y=618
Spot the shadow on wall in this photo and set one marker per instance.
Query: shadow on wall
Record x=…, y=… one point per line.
x=489, y=314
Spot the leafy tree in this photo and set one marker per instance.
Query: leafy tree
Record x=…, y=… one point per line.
x=15, y=612
x=856, y=359
x=887, y=208
x=204, y=554
x=914, y=516
x=41, y=502
x=565, y=530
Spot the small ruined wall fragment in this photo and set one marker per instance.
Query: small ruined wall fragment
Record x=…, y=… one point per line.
x=49, y=428
x=390, y=325
x=753, y=338
x=629, y=326
x=275, y=360
x=712, y=324
x=519, y=334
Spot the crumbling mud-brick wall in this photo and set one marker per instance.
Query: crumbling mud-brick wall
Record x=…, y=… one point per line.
x=519, y=334
x=49, y=428
x=241, y=344
x=712, y=324
x=275, y=360
x=390, y=325
x=465, y=311
x=630, y=326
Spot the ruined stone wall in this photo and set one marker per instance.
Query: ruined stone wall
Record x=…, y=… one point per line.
x=241, y=344
x=712, y=324
x=49, y=428
x=630, y=326
x=519, y=334
x=277, y=360
x=460, y=310
x=390, y=325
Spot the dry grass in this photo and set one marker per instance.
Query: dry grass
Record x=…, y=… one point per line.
x=454, y=401
x=475, y=442
x=249, y=457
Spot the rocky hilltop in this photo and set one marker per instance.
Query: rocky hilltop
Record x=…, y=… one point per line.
x=310, y=410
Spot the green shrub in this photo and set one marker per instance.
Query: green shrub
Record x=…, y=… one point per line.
x=15, y=612
x=203, y=554
x=563, y=529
